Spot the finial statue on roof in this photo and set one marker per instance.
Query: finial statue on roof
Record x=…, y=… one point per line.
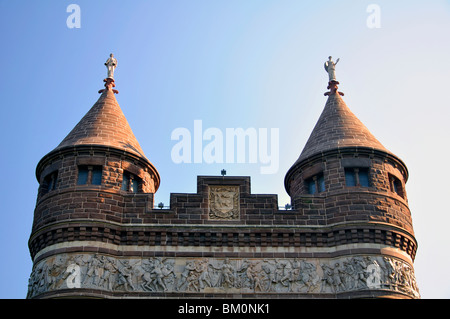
x=111, y=65
x=330, y=67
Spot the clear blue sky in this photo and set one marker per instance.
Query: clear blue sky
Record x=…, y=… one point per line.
x=231, y=64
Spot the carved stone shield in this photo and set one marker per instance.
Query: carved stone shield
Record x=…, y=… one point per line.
x=224, y=202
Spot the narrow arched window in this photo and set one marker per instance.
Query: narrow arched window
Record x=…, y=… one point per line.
x=355, y=176
x=315, y=184
x=49, y=183
x=89, y=175
x=396, y=186
x=130, y=182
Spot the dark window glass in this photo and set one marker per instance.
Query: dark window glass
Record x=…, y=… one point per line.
x=134, y=186
x=321, y=183
x=350, y=179
x=316, y=184
x=363, y=175
x=357, y=177
x=83, y=173
x=396, y=186
x=50, y=182
x=311, y=186
x=130, y=182
x=89, y=175
x=125, y=182
x=96, y=175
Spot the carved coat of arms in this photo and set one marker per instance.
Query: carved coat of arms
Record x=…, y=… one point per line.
x=224, y=202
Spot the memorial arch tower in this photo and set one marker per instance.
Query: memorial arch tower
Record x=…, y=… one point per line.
x=97, y=234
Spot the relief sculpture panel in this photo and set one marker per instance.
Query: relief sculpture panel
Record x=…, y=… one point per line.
x=224, y=202
x=222, y=275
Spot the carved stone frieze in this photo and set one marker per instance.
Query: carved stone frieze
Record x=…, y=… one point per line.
x=222, y=275
x=224, y=202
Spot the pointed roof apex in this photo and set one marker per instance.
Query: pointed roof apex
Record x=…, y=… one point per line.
x=104, y=124
x=338, y=128
x=103, y=127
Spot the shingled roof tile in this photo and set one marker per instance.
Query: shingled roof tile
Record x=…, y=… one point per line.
x=104, y=124
x=337, y=128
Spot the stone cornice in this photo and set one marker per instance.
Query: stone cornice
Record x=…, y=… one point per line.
x=162, y=235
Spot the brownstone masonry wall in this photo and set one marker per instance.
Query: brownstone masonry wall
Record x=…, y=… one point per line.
x=130, y=219
x=341, y=203
x=222, y=220
x=68, y=200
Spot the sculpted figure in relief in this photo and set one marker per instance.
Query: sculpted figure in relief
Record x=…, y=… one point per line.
x=196, y=275
x=202, y=268
x=225, y=276
x=327, y=279
x=254, y=276
x=55, y=273
x=94, y=267
x=185, y=274
x=360, y=271
x=351, y=278
x=125, y=275
x=308, y=277
x=109, y=273
x=159, y=275
x=247, y=275
x=37, y=280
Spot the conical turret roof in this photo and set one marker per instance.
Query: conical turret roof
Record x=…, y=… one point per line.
x=338, y=128
x=104, y=124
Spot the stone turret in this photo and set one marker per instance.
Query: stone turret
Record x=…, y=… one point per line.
x=88, y=179
x=346, y=179
x=347, y=168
